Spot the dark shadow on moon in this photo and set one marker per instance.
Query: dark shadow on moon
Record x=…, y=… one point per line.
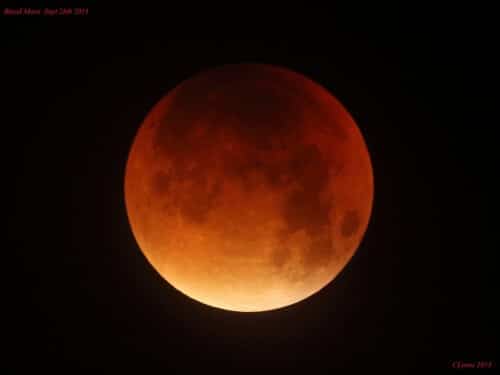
x=257, y=102
x=265, y=111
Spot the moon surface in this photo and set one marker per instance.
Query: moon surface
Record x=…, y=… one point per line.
x=248, y=187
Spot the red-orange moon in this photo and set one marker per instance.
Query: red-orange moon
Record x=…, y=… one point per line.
x=248, y=187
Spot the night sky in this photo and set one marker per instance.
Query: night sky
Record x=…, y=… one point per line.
x=418, y=293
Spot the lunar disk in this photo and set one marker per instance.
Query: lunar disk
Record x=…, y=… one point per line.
x=248, y=187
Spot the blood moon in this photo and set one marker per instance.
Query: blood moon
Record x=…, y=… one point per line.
x=248, y=187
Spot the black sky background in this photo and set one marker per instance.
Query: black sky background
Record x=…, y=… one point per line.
x=418, y=294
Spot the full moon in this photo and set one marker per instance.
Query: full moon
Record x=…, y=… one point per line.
x=248, y=187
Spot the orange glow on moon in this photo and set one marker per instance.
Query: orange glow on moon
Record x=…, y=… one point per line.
x=248, y=187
